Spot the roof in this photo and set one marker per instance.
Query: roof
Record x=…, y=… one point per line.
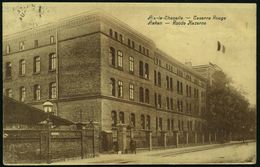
x=18, y=112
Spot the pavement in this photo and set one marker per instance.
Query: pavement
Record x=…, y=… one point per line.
x=232, y=152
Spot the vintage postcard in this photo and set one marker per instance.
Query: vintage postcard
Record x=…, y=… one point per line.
x=129, y=83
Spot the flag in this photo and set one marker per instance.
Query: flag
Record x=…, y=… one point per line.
x=223, y=49
x=219, y=46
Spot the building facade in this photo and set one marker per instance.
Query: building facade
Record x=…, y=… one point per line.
x=93, y=66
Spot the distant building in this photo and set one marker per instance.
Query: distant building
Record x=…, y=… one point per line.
x=93, y=66
x=207, y=71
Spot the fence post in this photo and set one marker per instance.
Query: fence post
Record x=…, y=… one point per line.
x=164, y=140
x=150, y=140
x=203, y=138
x=196, y=138
x=209, y=137
x=187, y=137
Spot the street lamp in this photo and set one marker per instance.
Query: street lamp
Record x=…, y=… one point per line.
x=48, y=107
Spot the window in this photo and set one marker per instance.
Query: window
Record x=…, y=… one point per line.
x=160, y=124
x=156, y=123
x=112, y=56
x=178, y=86
x=121, y=117
x=187, y=107
x=146, y=96
x=181, y=87
x=141, y=73
x=120, y=59
x=129, y=42
x=51, y=39
x=167, y=82
x=171, y=87
x=116, y=37
x=148, y=122
x=22, y=67
x=167, y=103
x=22, y=94
x=171, y=102
x=155, y=99
x=168, y=124
x=8, y=70
x=114, y=118
x=52, y=89
x=155, y=77
x=121, y=38
x=179, y=124
x=172, y=124
x=132, y=119
x=187, y=90
x=159, y=78
x=36, y=64
x=140, y=48
x=113, y=86
x=147, y=52
x=8, y=49
x=111, y=32
x=142, y=121
x=21, y=46
x=146, y=72
x=52, y=61
x=143, y=50
x=131, y=64
x=131, y=91
x=35, y=43
x=141, y=94
x=120, y=89
x=159, y=101
x=37, y=92
x=9, y=93
x=133, y=44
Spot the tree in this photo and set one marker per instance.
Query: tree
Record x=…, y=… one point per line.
x=227, y=108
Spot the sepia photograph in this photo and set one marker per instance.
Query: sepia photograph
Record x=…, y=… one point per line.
x=128, y=83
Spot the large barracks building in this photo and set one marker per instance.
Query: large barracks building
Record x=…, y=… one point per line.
x=93, y=66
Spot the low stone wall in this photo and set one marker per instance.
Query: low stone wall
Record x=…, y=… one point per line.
x=36, y=146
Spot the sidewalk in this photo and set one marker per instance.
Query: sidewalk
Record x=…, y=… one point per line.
x=141, y=156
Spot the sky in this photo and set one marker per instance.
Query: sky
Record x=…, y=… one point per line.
x=195, y=43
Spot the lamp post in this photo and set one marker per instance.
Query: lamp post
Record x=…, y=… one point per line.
x=48, y=107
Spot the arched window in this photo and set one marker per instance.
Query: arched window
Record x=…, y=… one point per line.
x=114, y=118
x=36, y=64
x=8, y=70
x=146, y=70
x=111, y=32
x=146, y=96
x=9, y=93
x=142, y=121
x=52, y=90
x=122, y=117
x=120, y=59
x=141, y=94
x=112, y=56
x=22, y=94
x=113, y=86
x=167, y=82
x=141, y=68
x=22, y=67
x=148, y=122
x=159, y=79
x=37, y=92
x=120, y=89
x=132, y=119
x=52, y=61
